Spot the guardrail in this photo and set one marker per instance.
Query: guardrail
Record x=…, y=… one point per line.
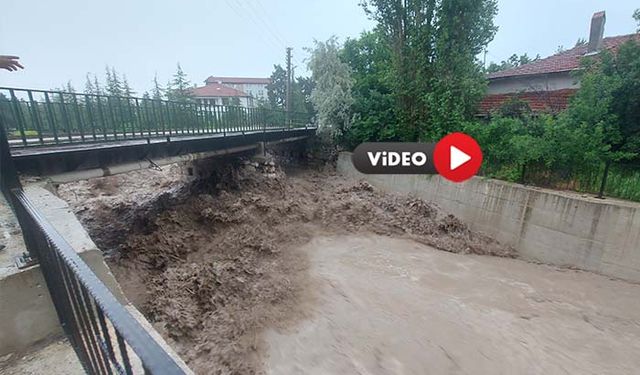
x=42, y=118
x=103, y=333
x=106, y=337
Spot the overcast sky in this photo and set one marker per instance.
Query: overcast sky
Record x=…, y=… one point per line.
x=64, y=39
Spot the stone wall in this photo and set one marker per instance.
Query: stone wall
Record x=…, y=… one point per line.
x=552, y=227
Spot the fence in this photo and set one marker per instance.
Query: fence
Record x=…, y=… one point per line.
x=104, y=335
x=43, y=118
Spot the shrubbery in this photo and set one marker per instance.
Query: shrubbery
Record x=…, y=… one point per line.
x=416, y=77
x=596, y=140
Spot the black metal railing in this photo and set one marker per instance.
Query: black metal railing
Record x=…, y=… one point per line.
x=41, y=118
x=106, y=337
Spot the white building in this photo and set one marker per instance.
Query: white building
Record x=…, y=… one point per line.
x=218, y=94
x=255, y=87
x=225, y=90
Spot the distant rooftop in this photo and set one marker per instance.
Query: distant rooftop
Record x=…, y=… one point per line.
x=561, y=62
x=215, y=89
x=238, y=80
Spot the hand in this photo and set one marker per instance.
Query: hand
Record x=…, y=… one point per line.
x=10, y=63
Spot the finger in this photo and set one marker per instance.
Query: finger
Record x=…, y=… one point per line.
x=18, y=65
x=10, y=57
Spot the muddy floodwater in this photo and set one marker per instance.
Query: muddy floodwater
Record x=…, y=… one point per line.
x=253, y=270
x=394, y=306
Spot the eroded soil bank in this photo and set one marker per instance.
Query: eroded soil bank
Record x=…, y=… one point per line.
x=255, y=271
x=214, y=263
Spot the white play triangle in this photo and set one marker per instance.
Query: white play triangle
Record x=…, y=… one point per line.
x=457, y=157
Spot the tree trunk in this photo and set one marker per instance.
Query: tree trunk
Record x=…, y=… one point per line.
x=604, y=179
x=523, y=172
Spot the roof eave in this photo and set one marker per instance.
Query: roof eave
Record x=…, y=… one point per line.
x=528, y=75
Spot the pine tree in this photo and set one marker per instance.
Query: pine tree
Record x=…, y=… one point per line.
x=96, y=86
x=157, y=89
x=117, y=84
x=88, y=86
x=126, y=89
x=69, y=88
x=179, y=89
x=108, y=80
x=113, y=85
x=168, y=90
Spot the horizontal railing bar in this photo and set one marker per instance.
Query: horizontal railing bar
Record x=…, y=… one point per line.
x=154, y=358
x=140, y=98
x=78, y=118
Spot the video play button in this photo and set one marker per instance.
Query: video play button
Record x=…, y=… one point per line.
x=457, y=157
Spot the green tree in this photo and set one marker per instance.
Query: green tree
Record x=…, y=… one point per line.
x=375, y=116
x=157, y=89
x=608, y=103
x=179, y=88
x=513, y=61
x=69, y=88
x=331, y=96
x=96, y=86
x=580, y=42
x=88, y=86
x=302, y=88
x=113, y=86
x=126, y=89
x=277, y=88
x=436, y=79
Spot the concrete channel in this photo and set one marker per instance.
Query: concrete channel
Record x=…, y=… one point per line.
x=356, y=275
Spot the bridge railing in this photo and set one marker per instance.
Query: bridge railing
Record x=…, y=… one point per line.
x=106, y=337
x=44, y=118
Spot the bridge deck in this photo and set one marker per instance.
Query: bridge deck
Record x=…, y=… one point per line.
x=48, y=160
x=115, y=144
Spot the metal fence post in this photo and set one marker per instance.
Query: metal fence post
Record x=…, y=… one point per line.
x=8, y=175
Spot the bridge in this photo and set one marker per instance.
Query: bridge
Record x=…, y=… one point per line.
x=52, y=133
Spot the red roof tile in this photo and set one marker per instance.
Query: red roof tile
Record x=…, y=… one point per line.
x=217, y=90
x=561, y=62
x=541, y=101
x=239, y=80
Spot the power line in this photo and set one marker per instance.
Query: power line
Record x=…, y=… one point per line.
x=268, y=26
x=265, y=21
x=241, y=15
x=249, y=16
x=272, y=35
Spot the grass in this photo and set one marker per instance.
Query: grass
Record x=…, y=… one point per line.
x=27, y=133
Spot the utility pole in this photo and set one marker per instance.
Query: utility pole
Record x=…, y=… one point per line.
x=484, y=60
x=288, y=103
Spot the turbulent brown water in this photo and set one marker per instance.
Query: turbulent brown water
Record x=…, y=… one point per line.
x=213, y=264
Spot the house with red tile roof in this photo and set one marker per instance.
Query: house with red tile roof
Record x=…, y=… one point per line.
x=219, y=94
x=255, y=87
x=222, y=90
x=548, y=84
